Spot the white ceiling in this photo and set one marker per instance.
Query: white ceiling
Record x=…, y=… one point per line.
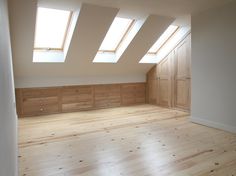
x=136, y=7
x=92, y=27
x=179, y=9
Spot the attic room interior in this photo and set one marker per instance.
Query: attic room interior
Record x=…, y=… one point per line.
x=117, y=88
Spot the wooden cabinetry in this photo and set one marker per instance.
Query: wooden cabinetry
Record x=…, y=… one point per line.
x=42, y=101
x=169, y=82
x=182, y=75
x=133, y=93
x=151, y=95
x=39, y=101
x=75, y=98
x=107, y=96
x=164, y=81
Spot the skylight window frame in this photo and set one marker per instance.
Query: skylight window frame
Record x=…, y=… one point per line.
x=121, y=40
x=64, y=38
x=154, y=53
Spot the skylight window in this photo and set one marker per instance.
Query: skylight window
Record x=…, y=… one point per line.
x=163, y=39
x=116, y=34
x=51, y=29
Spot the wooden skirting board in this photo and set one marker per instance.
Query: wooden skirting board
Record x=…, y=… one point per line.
x=51, y=100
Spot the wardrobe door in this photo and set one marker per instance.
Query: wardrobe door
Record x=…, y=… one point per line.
x=164, y=81
x=152, y=86
x=182, y=76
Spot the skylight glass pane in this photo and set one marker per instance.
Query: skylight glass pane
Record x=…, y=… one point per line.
x=164, y=37
x=115, y=34
x=51, y=28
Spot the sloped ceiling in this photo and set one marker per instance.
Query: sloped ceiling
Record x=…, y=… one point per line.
x=92, y=25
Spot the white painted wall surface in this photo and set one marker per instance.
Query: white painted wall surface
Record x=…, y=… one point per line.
x=8, y=117
x=80, y=80
x=214, y=67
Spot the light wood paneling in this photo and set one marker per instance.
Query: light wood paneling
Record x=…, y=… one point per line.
x=107, y=96
x=152, y=84
x=164, y=81
x=182, y=75
x=39, y=101
x=130, y=141
x=75, y=98
x=172, y=86
x=133, y=93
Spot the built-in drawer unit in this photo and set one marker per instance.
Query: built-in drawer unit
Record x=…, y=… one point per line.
x=133, y=93
x=75, y=98
x=43, y=101
x=39, y=101
x=107, y=96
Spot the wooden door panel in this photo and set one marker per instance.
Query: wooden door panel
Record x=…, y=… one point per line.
x=181, y=55
x=181, y=93
x=153, y=92
x=164, y=68
x=182, y=75
x=164, y=92
x=164, y=81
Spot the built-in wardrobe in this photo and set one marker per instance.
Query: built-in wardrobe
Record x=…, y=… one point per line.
x=169, y=82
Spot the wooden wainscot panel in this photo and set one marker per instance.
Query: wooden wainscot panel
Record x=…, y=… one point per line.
x=134, y=93
x=75, y=98
x=107, y=96
x=42, y=101
x=182, y=75
x=172, y=88
x=38, y=101
x=152, y=86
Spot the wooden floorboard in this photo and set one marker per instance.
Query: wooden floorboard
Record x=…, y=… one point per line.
x=142, y=140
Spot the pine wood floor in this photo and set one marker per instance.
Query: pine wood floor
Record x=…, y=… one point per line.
x=140, y=140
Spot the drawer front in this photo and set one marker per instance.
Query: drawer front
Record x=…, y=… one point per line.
x=50, y=101
x=140, y=100
x=50, y=92
x=103, y=96
x=101, y=103
x=128, y=101
x=70, y=91
x=41, y=110
x=101, y=88
x=31, y=93
x=114, y=88
x=29, y=102
x=50, y=109
x=40, y=92
x=32, y=111
x=32, y=102
x=129, y=95
x=77, y=90
x=77, y=98
x=114, y=104
x=69, y=99
x=85, y=90
x=85, y=97
x=39, y=106
x=77, y=106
